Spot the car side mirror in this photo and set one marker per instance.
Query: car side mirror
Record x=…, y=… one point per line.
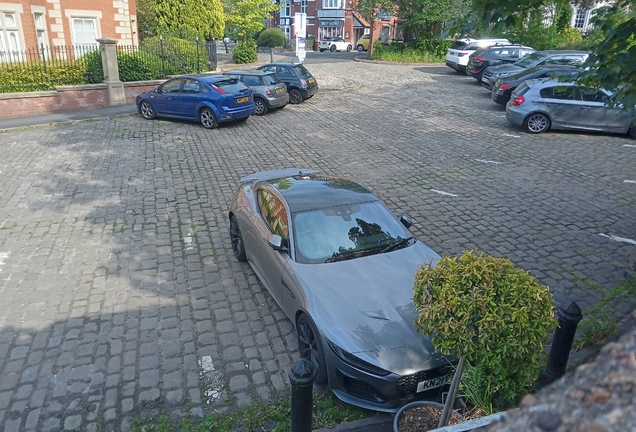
x=406, y=221
x=276, y=242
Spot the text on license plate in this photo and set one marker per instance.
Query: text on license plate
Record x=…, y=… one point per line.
x=279, y=90
x=432, y=383
x=311, y=80
x=241, y=100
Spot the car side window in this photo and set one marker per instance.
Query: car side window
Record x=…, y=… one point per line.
x=191, y=86
x=253, y=81
x=283, y=72
x=273, y=212
x=269, y=69
x=589, y=95
x=573, y=60
x=559, y=92
x=171, y=86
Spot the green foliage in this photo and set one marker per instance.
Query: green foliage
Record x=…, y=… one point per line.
x=179, y=56
x=424, y=19
x=563, y=17
x=146, y=19
x=245, y=52
x=485, y=309
x=34, y=76
x=595, y=328
x=272, y=37
x=478, y=387
x=248, y=16
x=403, y=53
x=435, y=47
x=569, y=38
x=203, y=18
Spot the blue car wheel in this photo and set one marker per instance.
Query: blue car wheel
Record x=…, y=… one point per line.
x=208, y=119
x=146, y=110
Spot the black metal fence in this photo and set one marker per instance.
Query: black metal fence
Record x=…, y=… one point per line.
x=45, y=67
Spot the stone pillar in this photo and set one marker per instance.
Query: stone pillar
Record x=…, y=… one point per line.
x=116, y=94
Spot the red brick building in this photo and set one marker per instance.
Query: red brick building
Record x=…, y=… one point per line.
x=329, y=18
x=25, y=24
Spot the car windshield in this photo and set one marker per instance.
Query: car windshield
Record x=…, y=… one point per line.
x=530, y=59
x=230, y=85
x=303, y=70
x=271, y=79
x=347, y=232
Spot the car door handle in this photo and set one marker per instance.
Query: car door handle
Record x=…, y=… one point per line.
x=291, y=294
x=552, y=104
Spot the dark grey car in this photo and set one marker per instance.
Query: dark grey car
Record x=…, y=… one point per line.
x=541, y=104
x=537, y=58
x=269, y=91
x=341, y=267
x=301, y=84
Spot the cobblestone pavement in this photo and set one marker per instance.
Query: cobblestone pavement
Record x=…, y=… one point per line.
x=120, y=294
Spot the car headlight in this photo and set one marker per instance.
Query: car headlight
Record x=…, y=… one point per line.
x=354, y=361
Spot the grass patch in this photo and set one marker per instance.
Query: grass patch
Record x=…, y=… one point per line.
x=399, y=52
x=257, y=417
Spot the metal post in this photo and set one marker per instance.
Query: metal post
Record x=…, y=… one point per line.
x=452, y=392
x=163, y=65
x=198, y=61
x=302, y=378
x=569, y=317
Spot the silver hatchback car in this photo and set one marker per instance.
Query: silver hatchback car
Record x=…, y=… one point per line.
x=542, y=104
x=269, y=91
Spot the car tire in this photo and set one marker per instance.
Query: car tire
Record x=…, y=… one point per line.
x=147, y=111
x=238, y=247
x=310, y=347
x=260, y=107
x=632, y=131
x=208, y=119
x=360, y=48
x=295, y=96
x=536, y=123
x=333, y=48
x=349, y=48
x=322, y=50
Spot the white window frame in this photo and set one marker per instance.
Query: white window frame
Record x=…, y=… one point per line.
x=332, y=4
x=303, y=6
x=580, y=19
x=11, y=41
x=286, y=10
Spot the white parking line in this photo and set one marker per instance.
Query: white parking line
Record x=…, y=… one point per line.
x=629, y=145
x=488, y=161
x=514, y=136
x=618, y=239
x=629, y=181
x=3, y=256
x=211, y=378
x=442, y=192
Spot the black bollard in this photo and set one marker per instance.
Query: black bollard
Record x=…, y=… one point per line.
x=302, y=378
x=569, y=317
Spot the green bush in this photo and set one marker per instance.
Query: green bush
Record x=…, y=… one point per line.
x=435, y=47
x=180, y=56
x=569, y=38
x=245, y=52
x=399, y=52
x=33, y=76
x=271, y=37
x=94, y=68
x=483, y=308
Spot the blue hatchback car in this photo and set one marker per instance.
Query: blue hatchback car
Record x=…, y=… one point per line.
x=210, y=99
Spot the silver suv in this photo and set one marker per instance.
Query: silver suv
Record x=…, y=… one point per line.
x=269, y=91
x=541, y=104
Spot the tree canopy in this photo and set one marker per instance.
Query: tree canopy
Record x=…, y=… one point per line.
x=248, y=16
x=187, y=18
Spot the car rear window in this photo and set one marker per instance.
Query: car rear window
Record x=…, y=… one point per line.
x=271, y=79
x=522, y=89
x=530, y=59
x=458, y=45
x=302, y=69
x=230, y=85
x=479, y=52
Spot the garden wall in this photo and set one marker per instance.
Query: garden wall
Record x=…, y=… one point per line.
x=66, y=98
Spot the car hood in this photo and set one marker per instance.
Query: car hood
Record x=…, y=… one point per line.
x=507, y=68
x=365, y=306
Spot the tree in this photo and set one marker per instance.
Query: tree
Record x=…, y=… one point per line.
x=271, y=38
x=369, y=10
x=146, y=19
x=425, y=18
x=248, y=16
x=188, y=18
x=612, y=62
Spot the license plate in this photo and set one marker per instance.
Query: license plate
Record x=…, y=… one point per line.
x=280, y=90
x=243, y=99
x=471, y=67
x=452, y=53
x=432, y=383
x=496, y=85
x=311, y=80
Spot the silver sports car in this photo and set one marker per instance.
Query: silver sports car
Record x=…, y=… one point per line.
x=341, y=267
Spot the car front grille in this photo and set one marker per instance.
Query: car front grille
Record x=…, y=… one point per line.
x=407, y=384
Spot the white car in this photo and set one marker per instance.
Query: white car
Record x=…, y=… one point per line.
x=459, y=52
x=334, y=44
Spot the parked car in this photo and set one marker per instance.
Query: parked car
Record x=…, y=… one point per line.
x=457, y=54
x=542, y=104
x=301, y=84
x=504, y=86
x=269, y=91
x=537, y=58
x=341, y=267
x=210, y=99
x=363, y=43
x=494, y=55
x=334, y=44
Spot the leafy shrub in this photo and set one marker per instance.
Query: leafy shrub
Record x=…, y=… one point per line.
x=180, y=56
x=94, y=67
x=245, y=52
x=271, y=37
x=563, y=18
x=483, y=308
x=399, y=52
x=569, y=38
x=32, y=76
x=435, y=47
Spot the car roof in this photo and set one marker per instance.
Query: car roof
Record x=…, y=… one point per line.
x=280, y=64
x=506, y=45
x=248, y=72
x=206, y=78
x=311, y=191
x=551, y=52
